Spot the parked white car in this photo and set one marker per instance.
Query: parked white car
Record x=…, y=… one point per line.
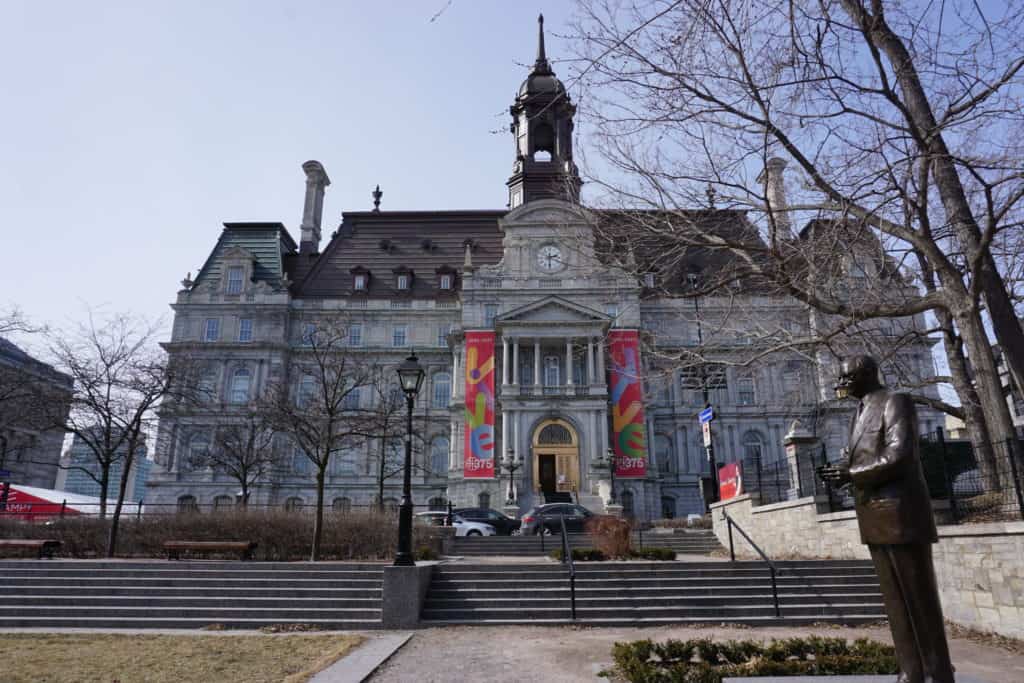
x=462, y=526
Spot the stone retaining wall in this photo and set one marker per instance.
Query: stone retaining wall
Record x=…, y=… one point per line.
x=979, y=567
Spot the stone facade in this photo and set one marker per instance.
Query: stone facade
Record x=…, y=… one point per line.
x=533, y=275
x=979, y=567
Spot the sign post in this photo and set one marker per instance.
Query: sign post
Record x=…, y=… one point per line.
x=706, y=416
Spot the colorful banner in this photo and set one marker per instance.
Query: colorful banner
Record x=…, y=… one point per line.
x=628, y=441
x=478, y=458
x=730, y=481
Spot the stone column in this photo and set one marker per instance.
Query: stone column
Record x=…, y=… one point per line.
x=457, y=380
x=801, y=448
x=536, y=366
x=590, y=361
x=504, y=361
x=568, y=362
x=600, y=363
x=451, y=446
x=499, y=455
x=515, y=360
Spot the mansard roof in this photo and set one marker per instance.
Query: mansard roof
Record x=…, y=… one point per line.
x=380, y=242
x=268, y=243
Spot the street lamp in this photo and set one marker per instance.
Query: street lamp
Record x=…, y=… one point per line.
x=692, y=278
x=410, y=377
x=607, y=461
x=511, y=463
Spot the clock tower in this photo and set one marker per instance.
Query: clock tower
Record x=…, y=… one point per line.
x=542, y=124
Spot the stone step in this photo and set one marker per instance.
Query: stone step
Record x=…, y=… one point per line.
x=199, y=591
x=276, y=575
x=191, y=602
x=209, y=583
x=211, y=614
x=156, y=622
x=713, y=613
x=754, y=621
x=671, y=591
x=652, y=581
x=668, y=601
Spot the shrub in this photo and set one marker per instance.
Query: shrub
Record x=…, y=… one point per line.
x=707, y=661
x=611, y=535
x=659, y=554
x=282, y=536
x=581, y=555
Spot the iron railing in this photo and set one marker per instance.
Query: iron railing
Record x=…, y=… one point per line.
x=568, y=559
x=771, y=565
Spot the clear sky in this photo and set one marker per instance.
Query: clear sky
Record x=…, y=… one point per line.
x=130, y=131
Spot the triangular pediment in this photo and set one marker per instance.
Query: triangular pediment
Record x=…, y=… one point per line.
x=553, y=309
x=548, y=212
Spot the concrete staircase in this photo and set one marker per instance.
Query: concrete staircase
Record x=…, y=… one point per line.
x=697, y=542
x=651, y=593
x=157, y=594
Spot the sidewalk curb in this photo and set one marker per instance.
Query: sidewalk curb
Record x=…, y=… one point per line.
x=364, y=660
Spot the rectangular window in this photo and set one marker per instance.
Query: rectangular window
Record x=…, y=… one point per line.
x=398, y=336
x=212, y=331
x=360, y=283
x=442, y=335
x=612, y=311
x=403, y=282
x=745, y=391
x=245, y=330
x=355, y=335
x=235, y=280
x=649, y=280
x=446, y=281
x=351, y=400
x=308, y=334
x=551, y=371
x=490, y=313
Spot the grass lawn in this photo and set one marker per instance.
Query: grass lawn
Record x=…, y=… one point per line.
x=200, y=658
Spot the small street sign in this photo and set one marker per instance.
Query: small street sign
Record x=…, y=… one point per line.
x=706, y=427
x=707, y=415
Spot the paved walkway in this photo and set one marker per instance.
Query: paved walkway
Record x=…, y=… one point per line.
x=575, y=655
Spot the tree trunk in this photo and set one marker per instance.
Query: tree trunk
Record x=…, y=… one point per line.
x=380, y=477
x=990, y=396
x=104, y=483
x=245, y=494
x=123, y=486
x=318, y=522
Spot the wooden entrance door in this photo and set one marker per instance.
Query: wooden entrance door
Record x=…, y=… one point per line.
x=547, y=473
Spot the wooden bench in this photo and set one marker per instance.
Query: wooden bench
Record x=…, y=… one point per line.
x=245, y=548
x=44, y=547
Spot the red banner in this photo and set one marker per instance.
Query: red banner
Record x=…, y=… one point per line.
x=628, y=441
x=730, y=481
x=478, y=457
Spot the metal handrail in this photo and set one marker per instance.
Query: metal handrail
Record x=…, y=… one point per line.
x=567, y=558
x=732, y=556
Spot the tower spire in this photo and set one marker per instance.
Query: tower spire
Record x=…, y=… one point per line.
x=541, y=66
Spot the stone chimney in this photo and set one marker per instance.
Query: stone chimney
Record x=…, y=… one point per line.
x=313, y=208
x=774, y=181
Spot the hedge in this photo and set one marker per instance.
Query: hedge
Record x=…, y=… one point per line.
x=281, y=535
x=707, y=661
x=595, y=555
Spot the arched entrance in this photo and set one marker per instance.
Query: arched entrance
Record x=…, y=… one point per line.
x=556, y=457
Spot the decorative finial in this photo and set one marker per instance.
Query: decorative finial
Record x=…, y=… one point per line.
x=467, y=262
x=377, y=194
x=712, y=196
x=541, y=66
x=187, y=282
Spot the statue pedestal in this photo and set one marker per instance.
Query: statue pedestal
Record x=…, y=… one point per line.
x=801, y=450
x=604, y=488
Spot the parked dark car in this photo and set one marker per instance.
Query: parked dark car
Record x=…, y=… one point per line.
x=503, y=524
x=545, y=518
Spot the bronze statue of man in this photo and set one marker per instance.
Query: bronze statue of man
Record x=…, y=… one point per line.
x=894, y=514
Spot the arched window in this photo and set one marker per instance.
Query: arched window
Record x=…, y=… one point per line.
x=300, y=463
x=207, y=387
x=442, y=390
x=187, y=504
x=437, y=503
x=439, y=455
x=241, y=380
x=346, y=459
x=626, y=500
x=198, y=451
x=663, y=453
x=555, y=434
x=483, y=500
x=753, y=448
x=293, y=504
x=668, y=507
x=394, y=452
x=223, y=503
x=342, y=505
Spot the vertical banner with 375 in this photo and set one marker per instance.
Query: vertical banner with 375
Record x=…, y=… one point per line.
x=478, y=459
x=628, y=440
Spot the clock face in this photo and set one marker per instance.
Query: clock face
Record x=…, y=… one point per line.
x=549, y=258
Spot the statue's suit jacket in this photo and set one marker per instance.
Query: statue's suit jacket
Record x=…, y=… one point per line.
x=891, y=496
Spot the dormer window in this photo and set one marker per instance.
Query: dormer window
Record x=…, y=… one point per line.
x=235, y=275
x=403, y=281
x=649, y=280
x=360, y=279
x=445, y=278
x=446, y=281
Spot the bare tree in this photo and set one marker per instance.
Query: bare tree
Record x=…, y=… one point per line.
x=120, y=377
x=896, y=119
x=245, y=448
x=312, y=402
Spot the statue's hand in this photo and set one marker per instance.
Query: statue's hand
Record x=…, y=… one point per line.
x=835, y=473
